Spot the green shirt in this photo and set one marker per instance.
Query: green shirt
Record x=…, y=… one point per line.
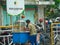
x=32, y=29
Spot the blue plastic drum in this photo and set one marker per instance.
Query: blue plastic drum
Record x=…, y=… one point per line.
x=24, y=37
x=21, y=37
x=16, y=38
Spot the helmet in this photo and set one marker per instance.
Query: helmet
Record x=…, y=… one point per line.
x=40, y=20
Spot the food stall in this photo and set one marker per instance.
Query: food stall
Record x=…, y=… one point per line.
x=20, y=35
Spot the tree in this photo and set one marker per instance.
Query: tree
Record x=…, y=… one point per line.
x=50, y=11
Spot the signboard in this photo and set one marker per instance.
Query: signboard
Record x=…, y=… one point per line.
x=15, y=7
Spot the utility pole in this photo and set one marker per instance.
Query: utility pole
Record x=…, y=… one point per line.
x=10, y=19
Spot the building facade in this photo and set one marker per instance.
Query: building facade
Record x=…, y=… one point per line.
x=34, y=10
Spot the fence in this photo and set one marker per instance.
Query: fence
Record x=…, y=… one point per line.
x=55, y=32
x=6, y=39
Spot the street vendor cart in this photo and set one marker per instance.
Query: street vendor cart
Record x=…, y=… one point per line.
x=20, y=35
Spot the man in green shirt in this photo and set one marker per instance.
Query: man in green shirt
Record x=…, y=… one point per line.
x=33, y=32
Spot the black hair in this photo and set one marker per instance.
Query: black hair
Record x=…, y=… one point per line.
x=27, y=21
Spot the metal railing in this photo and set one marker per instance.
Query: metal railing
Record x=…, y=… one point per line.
x=6, y=39
x=55, y=33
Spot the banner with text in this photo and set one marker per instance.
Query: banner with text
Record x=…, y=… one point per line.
x=15, y=7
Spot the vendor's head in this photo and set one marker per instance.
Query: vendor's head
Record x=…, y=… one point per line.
x=28, y=21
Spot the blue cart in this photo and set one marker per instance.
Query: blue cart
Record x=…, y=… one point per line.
x=21, y=37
